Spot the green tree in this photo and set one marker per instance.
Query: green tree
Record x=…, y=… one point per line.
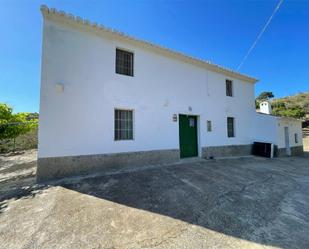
x=5, y=113
x=13, y=125
x=276, y=104
x=265, y=96
x=293, y=111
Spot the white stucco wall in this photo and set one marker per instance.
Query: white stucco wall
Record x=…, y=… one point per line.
x=270, y=129
x=294, y=128
x=80, y=120
x=265, y=128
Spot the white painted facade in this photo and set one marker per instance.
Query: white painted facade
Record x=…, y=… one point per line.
x=80, y=91
x=265, y=128
x=85, y=64
x=270, y=129
x=265, y=107
x=294, y=129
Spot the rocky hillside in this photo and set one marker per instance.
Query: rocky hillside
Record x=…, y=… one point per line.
x=301, y=99
x=296, y=106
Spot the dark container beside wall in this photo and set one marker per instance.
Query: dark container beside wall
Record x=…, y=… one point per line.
x=262, y=149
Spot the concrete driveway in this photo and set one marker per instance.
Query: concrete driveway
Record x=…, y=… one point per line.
x=235, y=203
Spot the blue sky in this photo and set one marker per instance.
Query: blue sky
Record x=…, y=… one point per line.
x=216, y=30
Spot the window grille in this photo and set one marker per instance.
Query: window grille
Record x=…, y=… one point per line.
x=124, y=62
x=230, y=127
x=296, y=138
x=209, y=128
x=123, y=124
x=229, y=88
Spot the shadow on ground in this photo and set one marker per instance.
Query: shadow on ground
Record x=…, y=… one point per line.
x=17, y=176
x=259, y=200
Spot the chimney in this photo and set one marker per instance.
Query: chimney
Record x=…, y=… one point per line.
x=265, y=107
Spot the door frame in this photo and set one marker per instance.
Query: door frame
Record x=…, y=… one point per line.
x=287, y=140
x=199, y=148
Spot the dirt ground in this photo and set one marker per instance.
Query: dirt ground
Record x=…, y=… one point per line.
x=17, y=173
x=238, y=203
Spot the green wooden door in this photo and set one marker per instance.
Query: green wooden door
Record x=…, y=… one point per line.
x=188, y=136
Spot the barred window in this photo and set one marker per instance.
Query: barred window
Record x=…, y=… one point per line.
x=209, y=128
x=123, y=124
x=296, y=138
x=230, y=127
x=229, y=88
x=124, y=62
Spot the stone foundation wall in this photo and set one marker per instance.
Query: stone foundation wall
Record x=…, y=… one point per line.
x=51, y=168
x=295, y=151
x=227, y=151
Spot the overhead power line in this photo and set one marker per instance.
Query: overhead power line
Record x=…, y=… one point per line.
x=260, y=34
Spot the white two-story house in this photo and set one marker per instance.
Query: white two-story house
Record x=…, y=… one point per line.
x=110, y=101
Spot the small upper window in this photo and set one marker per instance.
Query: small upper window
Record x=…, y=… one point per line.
x=123, y=124
x=296, y=138
x=230, y=127
x=229, y=88
x=124, y=62
x=209, y=128
x=191, y=122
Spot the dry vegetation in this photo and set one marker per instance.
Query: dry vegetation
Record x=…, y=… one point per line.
x=301, y=100
x=23, y=142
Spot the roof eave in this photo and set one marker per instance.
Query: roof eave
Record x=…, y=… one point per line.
x=48, y=13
